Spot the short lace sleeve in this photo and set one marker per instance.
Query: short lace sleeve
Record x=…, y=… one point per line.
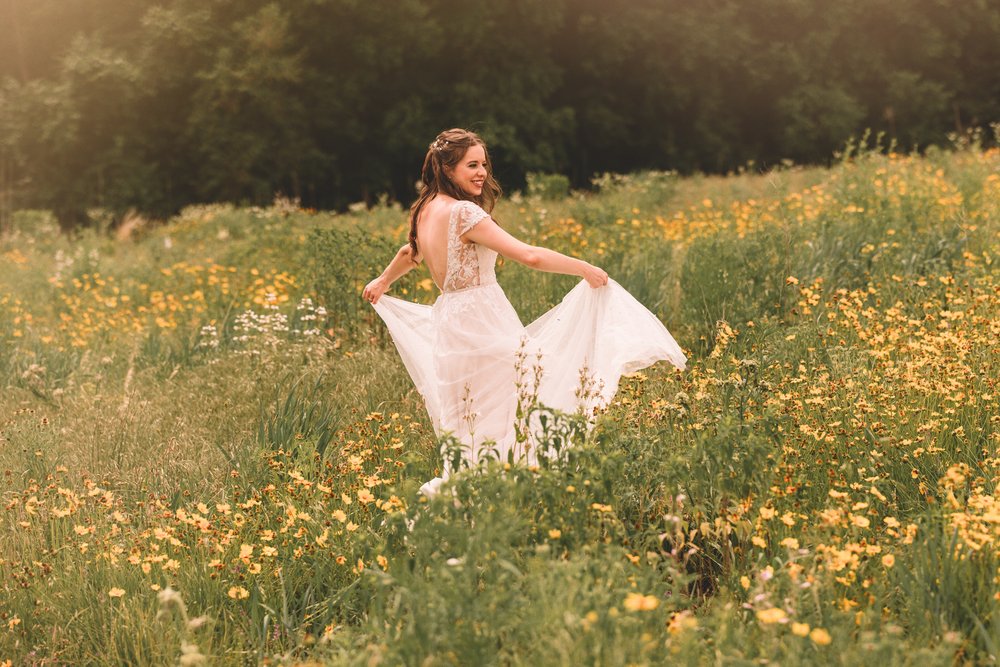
x=468, y=215
x=468, y=263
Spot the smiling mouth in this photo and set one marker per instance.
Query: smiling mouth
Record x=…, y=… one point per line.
x=478, y=183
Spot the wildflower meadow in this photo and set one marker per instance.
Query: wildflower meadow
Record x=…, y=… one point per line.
x=211, y=450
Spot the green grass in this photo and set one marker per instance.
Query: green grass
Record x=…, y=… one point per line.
x=211, y=449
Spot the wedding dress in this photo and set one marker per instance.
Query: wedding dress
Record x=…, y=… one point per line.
x=468, y=353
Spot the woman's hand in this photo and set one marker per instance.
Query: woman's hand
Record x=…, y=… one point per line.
x=375, y=289
x=595, y=276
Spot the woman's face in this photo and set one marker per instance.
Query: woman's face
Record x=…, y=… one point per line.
x=470, y=172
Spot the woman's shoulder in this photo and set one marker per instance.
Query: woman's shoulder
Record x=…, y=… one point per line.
x=467, y=214
x=447, y=203
x=435, y=207
x=467, y=207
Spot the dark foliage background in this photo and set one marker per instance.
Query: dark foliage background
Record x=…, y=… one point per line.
x=152, y=104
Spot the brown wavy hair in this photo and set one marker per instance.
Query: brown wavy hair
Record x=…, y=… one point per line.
x=447, y=149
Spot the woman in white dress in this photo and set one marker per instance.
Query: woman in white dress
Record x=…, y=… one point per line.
x=469, y=355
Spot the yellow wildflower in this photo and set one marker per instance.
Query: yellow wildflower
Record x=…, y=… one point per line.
x=772, y=615
x=820, y=637
x=681, y=620
x=640, y=602
x=238, y=593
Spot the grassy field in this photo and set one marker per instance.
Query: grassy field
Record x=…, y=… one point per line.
x=210, y=449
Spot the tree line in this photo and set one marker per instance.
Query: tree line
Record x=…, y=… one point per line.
x=155, y=104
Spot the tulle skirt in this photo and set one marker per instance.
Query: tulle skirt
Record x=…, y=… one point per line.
x=472, y=360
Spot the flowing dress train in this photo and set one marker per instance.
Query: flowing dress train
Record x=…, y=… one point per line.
x=468, y=353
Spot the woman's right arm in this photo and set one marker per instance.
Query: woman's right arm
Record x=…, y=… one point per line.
x=402, y=263
x=494, y=237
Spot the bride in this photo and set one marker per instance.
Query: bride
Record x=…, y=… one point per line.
x=468, y=353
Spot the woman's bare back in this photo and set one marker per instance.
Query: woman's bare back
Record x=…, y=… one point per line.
x=432, y=236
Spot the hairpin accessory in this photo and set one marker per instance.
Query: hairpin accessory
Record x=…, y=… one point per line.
x=439, y=145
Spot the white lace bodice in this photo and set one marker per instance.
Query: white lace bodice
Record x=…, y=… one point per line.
x=469, y=264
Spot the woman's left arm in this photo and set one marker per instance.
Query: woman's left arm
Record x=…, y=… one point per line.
x=402, y=263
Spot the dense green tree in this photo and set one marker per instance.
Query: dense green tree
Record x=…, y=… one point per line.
x=155, y=104
x=246, y=117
